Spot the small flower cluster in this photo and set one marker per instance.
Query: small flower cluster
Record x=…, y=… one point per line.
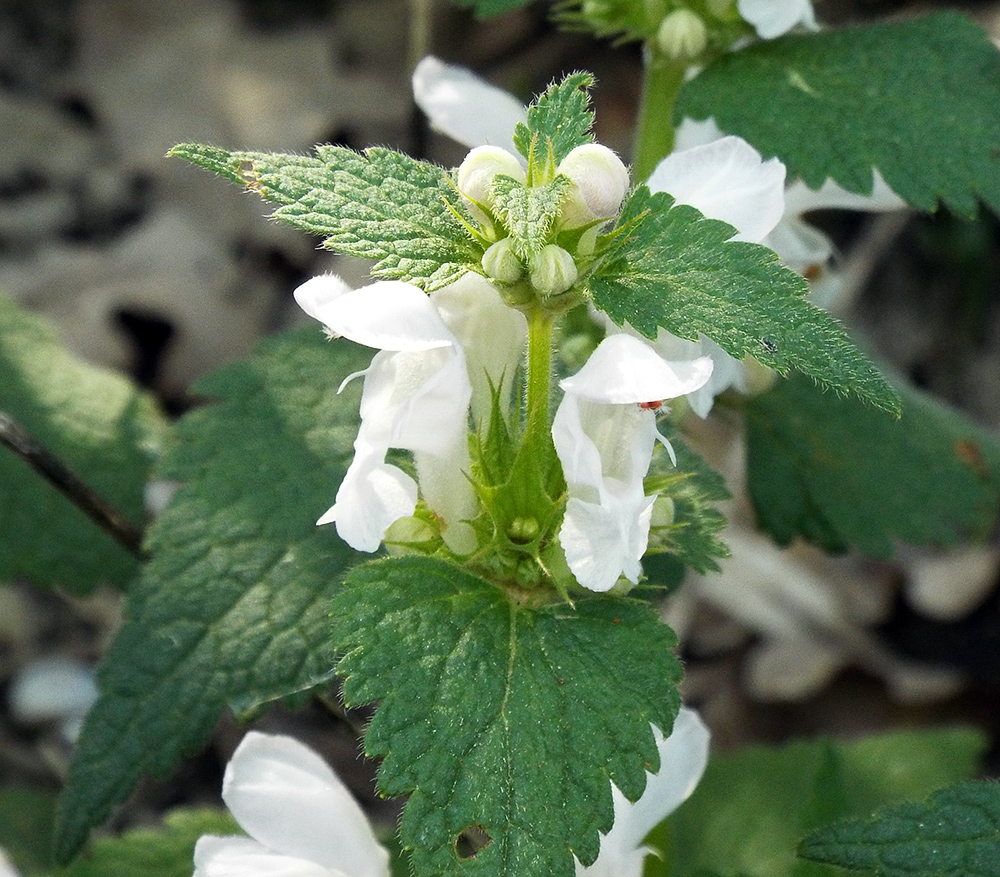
x=447, y=363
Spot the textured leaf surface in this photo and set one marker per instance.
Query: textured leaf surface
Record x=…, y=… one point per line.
x=560, y=117
x=498, y=716
x=233, y=607
x=160, y=852
x=954, y=834
x=528, y=213
x=842, y=474
x=378, y=204
x=919, y=100
x=678, y=270
x=100, y=425
x=752, y=808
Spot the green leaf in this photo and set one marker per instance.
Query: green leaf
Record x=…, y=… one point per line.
x=528, y=212
x=160, y=852
x=26, y=817
x=955, y=833
x=677, y=270
x=378, y=204
x=917, y=100
x=560, y=117
x=486, y=8
x=752, y=807
x=499, y=717
x=95, y=421
x=842, y=474
x=233, y=607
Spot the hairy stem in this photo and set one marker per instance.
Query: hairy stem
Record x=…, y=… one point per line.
x=17, y=438
x=655, y=134
x=539, y=371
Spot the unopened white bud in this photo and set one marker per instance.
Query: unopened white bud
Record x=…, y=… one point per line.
x=600, y=181
x=476, y=173
x=682, y=35
x=501, y=263
x=553, y=270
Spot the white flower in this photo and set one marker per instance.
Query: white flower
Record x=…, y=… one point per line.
x=416, y=398
x=683, y=756
x=772, y=18
x=301, y=819
x=417, y=394
x=464, y=107
x=604, y=438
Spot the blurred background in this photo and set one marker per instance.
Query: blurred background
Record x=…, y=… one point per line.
x=155, y=268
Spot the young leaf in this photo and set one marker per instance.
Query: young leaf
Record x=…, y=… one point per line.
x=378, y=204
x=560, y=117
x=160, y=852
x=679, y=271
x=233, y=607
x=95, y=421
x=502, y=721
x=956, y=832
x=752, y=807
x=842, y=474
x=918, y=100
x=528, y=212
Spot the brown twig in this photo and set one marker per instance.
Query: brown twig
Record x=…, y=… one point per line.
x=17, y=438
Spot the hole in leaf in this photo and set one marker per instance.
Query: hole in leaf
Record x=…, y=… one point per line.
x=471, y=840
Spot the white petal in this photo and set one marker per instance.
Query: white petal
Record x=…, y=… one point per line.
x=287, y=798
x=692, y=132
x=726, y=180
x=242, y=857
x=772, y=18
x=683, y=756
x=492, y=334
x=799, y=198
x=387, y=315
x=604, y=542
x=316, y=293
x=6, y=868
x=371, y=497
x=445, y=487
x=624, y=369
x=464, y=107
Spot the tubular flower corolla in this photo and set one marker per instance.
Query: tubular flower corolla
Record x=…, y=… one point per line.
x=604, y=437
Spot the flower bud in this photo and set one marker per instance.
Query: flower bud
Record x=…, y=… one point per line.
x=521, y=531
x=476, y=173
x=682, y=35
x=500, y=262
x=553, y=270
x=600, y=181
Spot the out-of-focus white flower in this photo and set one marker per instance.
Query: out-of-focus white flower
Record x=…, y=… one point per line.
x=683, y=756
x=604, y=433
x=301, y=819
x=6, y=867
x=416, y=398
x=772, y=18
x=464, y=107
x=53, y=689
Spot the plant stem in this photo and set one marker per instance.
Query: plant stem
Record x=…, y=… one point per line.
x=539, y=371
x=17, y=438
x=655, y=136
